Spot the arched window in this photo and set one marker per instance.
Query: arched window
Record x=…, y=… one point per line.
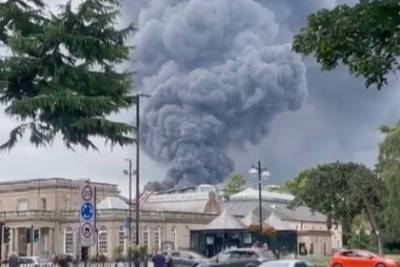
x=174, y=237
x=102, y=240
x=157, y=238
x=68, y=240
x=146, y=242
x=122, y=238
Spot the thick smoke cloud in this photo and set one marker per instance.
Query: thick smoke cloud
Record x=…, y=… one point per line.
x=219, y=74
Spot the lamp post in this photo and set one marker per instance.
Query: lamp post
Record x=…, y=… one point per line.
x=262, y=173
x=129, y=173
x=138, y=95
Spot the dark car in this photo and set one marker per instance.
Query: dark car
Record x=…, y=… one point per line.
x=240, y=258
x=186, y=258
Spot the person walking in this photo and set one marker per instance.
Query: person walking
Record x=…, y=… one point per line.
x=159, y=260
x=168, y=260
x=13, y=260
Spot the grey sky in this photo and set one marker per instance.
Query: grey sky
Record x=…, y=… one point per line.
x=339, y=121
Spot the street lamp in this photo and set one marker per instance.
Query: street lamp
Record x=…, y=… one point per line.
x=262, y=173
x=137, y=96
x=129, y=173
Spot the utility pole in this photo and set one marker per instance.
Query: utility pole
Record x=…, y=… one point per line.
x=1, y=241
x=138, y=162
x=260, y=196
x=32, y=241
x=137, y=206
x=261, y=173
x=129, y=173
x=137, y=167
x=95, y=223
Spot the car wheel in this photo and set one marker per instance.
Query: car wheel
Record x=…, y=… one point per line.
x=380, y=265
x=337, y=265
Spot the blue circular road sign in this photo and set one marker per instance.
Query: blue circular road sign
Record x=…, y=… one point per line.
x=87, y=211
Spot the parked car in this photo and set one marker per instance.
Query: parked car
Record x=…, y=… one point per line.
x=34, y=261
x=185, y=258
x=287, y=263
x=245, y=257
x=360, y=258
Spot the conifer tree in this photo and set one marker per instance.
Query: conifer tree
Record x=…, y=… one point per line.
x=61, y=76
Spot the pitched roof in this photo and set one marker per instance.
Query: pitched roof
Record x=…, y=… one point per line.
x=112, y=203
x=250, y=219
x=274, y=221
x=241, y=208
x=252, y=194
x=224, y=221
x=184, y=202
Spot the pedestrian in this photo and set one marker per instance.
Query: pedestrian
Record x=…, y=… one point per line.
x=159, y=260
x=168, y=260
x=13, y=260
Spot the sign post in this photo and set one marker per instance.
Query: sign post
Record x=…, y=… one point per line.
x=87, y=216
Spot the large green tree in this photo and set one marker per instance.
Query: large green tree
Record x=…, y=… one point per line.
x=389, y=169
x=365, y=37
x=61, y=76
x=341, y=191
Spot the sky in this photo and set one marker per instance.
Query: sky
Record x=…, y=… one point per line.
x=338, y=120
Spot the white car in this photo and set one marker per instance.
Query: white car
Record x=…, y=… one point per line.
x=33, y=261
x=286, y=263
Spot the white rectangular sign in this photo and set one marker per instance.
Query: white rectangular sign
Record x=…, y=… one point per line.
x=87, y=227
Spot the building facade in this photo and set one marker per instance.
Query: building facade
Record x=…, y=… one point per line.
x=42, y=216
x=43, y=220
x=313, y=236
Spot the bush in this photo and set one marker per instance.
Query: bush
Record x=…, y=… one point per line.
x=118, y=253
x=139, y=253
x=63, y=260
x=100, y=258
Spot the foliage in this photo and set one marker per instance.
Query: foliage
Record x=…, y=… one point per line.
x=61, y=77
x=118, y=253
x=361, y=237
x=341, y=191
x=365, y=37
x=234, y=185
x=139, y=253
x=63, y=260
x=389, y=169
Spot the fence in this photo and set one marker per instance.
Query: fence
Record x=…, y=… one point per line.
x=83, y=264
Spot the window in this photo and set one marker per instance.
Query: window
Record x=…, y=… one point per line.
x=44, y=203
x=103, y=240
x=174, y=237
x=303, y=249
x=146, y=238
x=22, y=204
x=68, y=241
x=157, y=238
x=122, y=238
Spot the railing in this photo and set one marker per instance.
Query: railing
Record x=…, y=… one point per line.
x=145, y=215
x=103, y=214
x=48, y=214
